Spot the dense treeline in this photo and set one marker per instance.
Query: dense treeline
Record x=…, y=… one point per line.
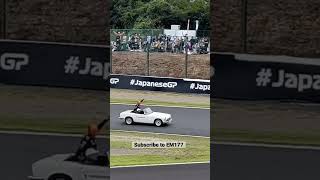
x=149, y=14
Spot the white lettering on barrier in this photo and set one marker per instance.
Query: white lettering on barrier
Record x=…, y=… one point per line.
x=198, y=86
x=93, y=68
x=114, y=80
x=13, y=61
x=300, y=81
x=136, y=82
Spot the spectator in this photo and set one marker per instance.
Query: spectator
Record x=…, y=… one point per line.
x=119, y=36
x=160, y=43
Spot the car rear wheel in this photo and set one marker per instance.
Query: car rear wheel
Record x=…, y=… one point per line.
x=158, y=122
x=128, y=120
x=59, y=177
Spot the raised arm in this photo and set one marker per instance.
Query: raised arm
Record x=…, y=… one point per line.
x=101, y=124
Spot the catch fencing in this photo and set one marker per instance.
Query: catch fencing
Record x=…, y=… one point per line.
x=152, y=53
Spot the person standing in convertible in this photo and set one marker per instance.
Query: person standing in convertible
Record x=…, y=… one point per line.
x=89, y=140
x=138, y=105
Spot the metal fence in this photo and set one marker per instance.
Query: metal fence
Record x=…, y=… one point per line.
x=150, y=51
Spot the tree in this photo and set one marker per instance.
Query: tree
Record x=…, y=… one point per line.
x=148, y=14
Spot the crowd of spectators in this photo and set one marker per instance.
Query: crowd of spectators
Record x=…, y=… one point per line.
x=160, y=43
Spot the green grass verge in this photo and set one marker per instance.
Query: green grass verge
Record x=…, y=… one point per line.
x=51, y=125
x=162, y=103
x=122, y=154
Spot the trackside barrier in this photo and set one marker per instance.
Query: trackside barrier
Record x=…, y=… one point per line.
x=53, y=64
x=78, y=66
x=258, y=77
x=164, y=84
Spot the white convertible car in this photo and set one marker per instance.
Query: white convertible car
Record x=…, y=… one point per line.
x=145, y=116
x=67, y=167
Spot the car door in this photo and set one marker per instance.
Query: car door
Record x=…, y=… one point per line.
x=95, y=172
x=149, y=118
x=140, y=118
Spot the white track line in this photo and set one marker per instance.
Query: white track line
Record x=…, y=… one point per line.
x=153, y=165
x=185, y=107
x=156, y=133
x=263, y=145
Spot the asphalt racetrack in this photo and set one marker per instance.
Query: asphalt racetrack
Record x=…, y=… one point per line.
x=187, y=121
x=264, y=163
x=176, y=172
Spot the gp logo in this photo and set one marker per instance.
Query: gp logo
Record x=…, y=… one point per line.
x=114, y=80
x=13, y=61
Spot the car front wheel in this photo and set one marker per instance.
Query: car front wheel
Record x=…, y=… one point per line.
x=158, y=122
x=128, y=120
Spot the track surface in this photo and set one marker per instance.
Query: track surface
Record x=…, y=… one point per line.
x=176, y=172
x=185, y=121
x=260, y=163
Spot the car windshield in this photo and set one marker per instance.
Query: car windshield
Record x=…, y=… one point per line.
x=147, y=111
